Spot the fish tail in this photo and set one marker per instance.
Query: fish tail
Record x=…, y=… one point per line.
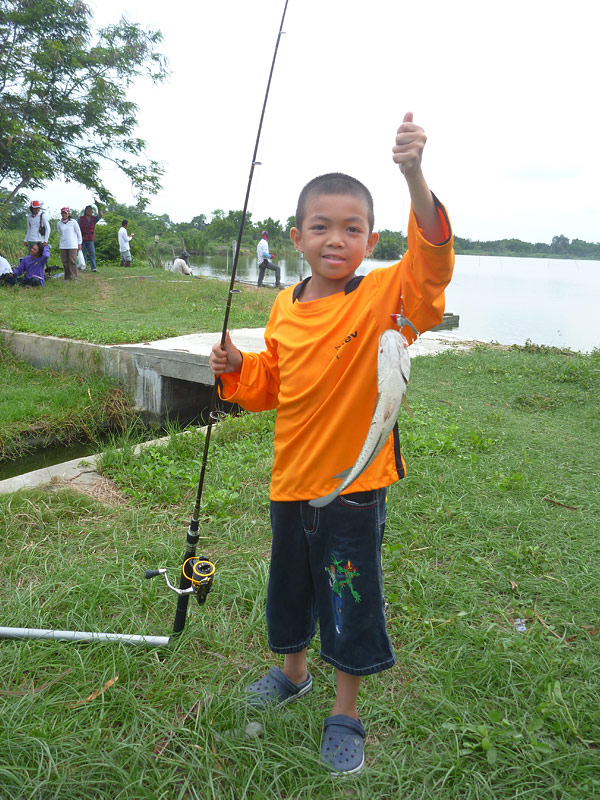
x=319, y=502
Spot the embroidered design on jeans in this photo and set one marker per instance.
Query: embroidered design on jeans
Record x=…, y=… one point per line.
x=341, y=575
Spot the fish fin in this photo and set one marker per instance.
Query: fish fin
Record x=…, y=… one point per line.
x=342, y=475
x=407, y=407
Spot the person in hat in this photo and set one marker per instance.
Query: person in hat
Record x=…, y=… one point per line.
x=263, y=260
x=70, y=243
x=38, y=227
x=87, y=225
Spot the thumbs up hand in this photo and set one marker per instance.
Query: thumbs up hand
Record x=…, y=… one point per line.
x=410, y=142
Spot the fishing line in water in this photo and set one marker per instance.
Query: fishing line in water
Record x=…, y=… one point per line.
x=198, y=572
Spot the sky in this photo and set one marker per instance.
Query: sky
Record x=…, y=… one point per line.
x=506, y=92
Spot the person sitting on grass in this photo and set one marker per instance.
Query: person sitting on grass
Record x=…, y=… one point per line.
x=6, y=273
x=31, y=268
x=319, y=370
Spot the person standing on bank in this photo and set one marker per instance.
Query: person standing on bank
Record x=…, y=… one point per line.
x=263, y=259
x=87, y=225
x=124, y=239
x=69, y=243
x=38, y=227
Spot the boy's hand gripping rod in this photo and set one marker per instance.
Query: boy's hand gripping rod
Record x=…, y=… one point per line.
x=197, y=572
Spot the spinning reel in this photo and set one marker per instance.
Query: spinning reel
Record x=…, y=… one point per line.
x=197, y=572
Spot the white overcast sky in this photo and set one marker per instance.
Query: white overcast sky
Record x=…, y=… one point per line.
x=507, y=94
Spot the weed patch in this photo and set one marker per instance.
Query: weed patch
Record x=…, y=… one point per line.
x=57, y=407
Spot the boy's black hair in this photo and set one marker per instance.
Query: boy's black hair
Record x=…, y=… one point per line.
x=125, y=222
x=335, y=183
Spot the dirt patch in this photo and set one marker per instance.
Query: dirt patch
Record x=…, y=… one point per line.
x=96, y=486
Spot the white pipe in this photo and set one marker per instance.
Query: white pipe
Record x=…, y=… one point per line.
x=82, y=636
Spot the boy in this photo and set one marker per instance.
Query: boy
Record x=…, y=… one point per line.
x=319, y=371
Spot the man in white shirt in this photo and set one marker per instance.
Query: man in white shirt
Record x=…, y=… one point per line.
x=263, y=261
x=124, y=239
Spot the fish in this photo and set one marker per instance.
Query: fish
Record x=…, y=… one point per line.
x=393, y=373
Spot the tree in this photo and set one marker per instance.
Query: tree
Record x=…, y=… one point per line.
x=63, y=105
x=199, y=222
x=225, y=229
x=560, y=244
x=272, y=226
x=391, y=244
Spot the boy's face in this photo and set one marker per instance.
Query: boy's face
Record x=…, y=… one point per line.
x=334, y=237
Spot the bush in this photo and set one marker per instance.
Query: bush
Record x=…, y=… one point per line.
x=107, y=243
x=12, y=246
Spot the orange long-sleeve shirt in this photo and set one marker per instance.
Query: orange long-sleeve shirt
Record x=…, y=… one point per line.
x=319, y=369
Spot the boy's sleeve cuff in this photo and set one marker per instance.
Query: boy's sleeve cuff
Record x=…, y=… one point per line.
x=228, y=384
x=444, y=220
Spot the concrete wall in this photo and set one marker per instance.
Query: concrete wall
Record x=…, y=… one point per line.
x=160, y=382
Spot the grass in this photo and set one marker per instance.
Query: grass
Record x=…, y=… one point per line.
x=117, y=305
x=56, y=408
x=497, y=519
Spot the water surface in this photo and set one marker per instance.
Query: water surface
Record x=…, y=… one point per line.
x=508, y=300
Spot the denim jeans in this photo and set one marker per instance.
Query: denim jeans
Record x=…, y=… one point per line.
x=326, y=568
x=89, y=253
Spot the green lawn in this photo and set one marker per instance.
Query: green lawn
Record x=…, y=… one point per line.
x=498, y=519
x=118, y=305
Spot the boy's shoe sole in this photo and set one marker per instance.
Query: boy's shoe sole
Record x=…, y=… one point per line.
x=275, y=689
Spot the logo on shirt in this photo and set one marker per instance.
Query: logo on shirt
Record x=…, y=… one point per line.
x=346, y=341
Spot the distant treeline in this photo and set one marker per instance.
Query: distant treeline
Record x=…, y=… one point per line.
x=213, y=233
x=392, y=243
x=560, y=247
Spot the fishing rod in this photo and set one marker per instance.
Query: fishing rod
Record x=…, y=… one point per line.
x=197, y=572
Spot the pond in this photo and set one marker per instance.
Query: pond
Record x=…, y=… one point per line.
x=508, y=300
